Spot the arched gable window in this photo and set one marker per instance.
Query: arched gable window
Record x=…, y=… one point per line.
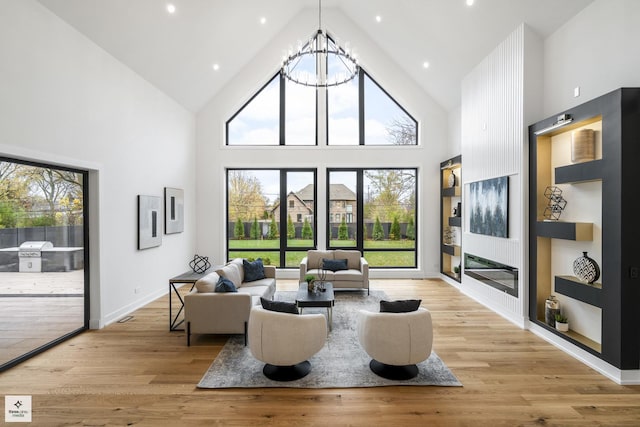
x=360, y=112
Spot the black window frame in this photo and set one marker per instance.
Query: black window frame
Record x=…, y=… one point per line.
x=282, y=116
x=86, y=259
x=362, y=75
x=360, y=233
x=283, y=241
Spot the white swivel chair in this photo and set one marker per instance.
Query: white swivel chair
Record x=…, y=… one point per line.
x=285, y=341
x=396, y=341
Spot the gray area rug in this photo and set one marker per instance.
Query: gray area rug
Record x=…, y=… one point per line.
x=341, y=363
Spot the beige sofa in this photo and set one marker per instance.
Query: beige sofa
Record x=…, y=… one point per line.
x=355, y=277
x=210, y=312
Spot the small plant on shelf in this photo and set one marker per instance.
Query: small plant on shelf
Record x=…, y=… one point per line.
x=562, y=323
x=456, y=270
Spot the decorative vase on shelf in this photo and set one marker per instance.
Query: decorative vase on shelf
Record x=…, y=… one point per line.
x=452, y=180
x=551, y=308
x=583, y=145
x=586, y=269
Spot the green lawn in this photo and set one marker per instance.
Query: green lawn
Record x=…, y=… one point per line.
x=304, y=243
x=269, y=249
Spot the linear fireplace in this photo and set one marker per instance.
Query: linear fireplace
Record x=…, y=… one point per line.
x=492, y=273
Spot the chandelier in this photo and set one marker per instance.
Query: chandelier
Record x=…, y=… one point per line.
x=305, y=65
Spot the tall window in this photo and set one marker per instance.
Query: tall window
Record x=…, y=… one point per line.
x=383, y=204
x=44, y=285
x=359, y=112
x=260, y=225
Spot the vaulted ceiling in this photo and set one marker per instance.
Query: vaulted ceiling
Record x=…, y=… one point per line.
x=176, y=52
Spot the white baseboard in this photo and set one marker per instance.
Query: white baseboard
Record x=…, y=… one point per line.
x=128, y=309
x=622, y=377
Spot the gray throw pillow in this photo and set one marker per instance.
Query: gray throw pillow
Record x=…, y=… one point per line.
x=279, y=306
x=225, y=285
x=334, y=264
x=253, y=270
x=400, y=306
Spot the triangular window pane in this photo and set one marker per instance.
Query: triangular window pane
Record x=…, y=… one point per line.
x=258, y=122
x=385, y=122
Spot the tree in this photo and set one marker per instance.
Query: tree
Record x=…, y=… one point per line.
x=291, y=229
x=238, y=230
x=402, y=131
x=70, y=211
x=411, y=228
x=307, y=232
x=378, y=231
x=273, y=229
x=391, y=192
x=394, y=233
x=53, y=184
x=246, y=198
x=343, y=230
x=8, y=216
x=255, y=229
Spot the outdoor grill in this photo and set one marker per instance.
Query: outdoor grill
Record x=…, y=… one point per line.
x=30, y=256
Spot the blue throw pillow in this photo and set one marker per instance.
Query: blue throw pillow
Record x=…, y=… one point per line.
x=279, y=306
x=253, y=270
x=225, y=285
x=400, y=306
x=334, y=264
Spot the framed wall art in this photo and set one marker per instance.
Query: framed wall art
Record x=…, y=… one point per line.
x=489, y=207
x=173, y=210
x=149, y=221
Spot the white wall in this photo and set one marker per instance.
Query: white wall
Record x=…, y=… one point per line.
x=213, y=156
x=597, y=50
x=66, y=101
x=494, y=144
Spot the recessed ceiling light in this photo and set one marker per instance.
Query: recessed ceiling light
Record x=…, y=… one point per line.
x=263, y=20
x=378, y=18
x=425, y=64
x=470, y=2
x=171, y=8
x=215, y=67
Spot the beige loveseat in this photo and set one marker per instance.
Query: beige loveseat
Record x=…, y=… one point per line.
x=210, y=312
x=355, y=277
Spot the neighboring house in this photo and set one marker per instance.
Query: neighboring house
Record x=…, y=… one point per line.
x=342, y=204
x=297, y=208
x=300, y=204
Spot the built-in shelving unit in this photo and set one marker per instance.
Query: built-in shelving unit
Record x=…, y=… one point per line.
x=602, y=203
x=451, y=217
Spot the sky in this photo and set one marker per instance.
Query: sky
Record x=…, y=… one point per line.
x=258, y=122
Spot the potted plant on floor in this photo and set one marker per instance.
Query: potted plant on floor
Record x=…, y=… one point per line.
x=562, y=323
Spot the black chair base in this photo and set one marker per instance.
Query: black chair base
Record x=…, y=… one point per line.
x=393, y=372
x=287, y=373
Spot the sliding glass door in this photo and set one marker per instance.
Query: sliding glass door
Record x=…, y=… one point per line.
x=43, y=257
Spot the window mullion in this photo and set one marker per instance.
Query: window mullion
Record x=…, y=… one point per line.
x=361, y=107
x=283, y=92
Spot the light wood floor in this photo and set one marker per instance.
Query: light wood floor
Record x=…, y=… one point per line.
x=139, y=373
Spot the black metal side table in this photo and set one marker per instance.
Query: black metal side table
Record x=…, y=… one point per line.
x=186, y=278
